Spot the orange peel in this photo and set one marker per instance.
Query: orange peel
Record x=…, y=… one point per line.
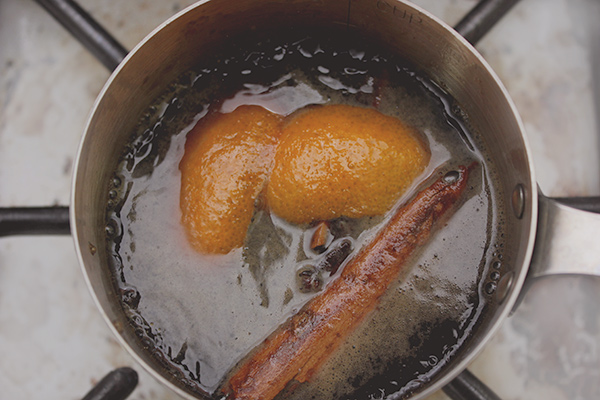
x=324, y=162
x=341, y=160
x=227, y=160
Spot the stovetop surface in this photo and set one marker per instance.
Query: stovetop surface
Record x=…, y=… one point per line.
x=53, y=341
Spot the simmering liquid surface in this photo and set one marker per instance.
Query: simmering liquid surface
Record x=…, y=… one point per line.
x=203, y=313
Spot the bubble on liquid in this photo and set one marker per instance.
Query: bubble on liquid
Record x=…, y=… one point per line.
x=131, y=297
x=139, y=332
x=147, y=342
x=116, y=181
x=490, y=287
x=451, y=177
x=112, y=229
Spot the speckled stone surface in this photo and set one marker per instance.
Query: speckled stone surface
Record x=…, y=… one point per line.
x=53, y=341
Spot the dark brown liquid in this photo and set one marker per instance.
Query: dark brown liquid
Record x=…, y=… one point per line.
x=201, y=314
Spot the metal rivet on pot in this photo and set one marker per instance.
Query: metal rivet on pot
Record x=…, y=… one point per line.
x=504, y=286
x=518, y=201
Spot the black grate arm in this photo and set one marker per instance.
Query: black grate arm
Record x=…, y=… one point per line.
x=85, y=29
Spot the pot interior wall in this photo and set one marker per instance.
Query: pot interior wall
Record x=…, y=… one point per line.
x=186, y=40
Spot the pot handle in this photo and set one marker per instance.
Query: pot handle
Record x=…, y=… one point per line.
x=34, y=221
x=567, y=229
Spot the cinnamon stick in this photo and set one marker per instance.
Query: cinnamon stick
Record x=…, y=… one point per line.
x=300, y=346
